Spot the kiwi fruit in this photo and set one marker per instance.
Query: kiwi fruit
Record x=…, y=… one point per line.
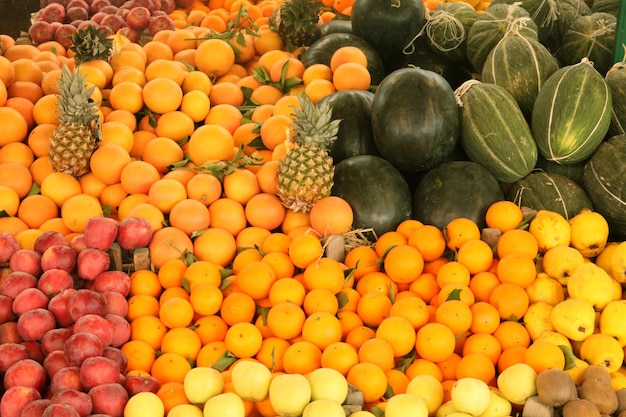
x=621, y=400
x=597, y=372
x=580, y=408
x=601, y=394
x=555, y=387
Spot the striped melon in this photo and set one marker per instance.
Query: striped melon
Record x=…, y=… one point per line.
x=521, y=65
x=545, y=14
x=541, y=190
x=494, y=132
x=572, y=113
x=572, y=171
x=446, y=29
x=616, y=80
x=491, y=26
x=569, y=11
x=604, y=178
x=591, y=37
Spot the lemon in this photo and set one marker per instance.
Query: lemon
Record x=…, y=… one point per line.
x=144, y=404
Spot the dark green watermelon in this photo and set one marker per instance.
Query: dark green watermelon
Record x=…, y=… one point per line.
x=455, y=189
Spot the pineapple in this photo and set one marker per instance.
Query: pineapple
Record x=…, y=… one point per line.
x=91, y=43
x=305, y=174
x=74, y=139
x=295, y=21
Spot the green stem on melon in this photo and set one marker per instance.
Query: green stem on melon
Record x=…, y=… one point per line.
x=453, y=26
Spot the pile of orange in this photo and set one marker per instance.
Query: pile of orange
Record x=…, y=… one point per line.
x=420, y=300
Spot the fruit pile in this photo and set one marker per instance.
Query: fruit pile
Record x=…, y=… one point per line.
x=315, y=241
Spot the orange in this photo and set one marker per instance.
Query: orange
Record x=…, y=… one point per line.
x=302, y=357
x=285, y=319
x=166, y=68
x=476, y=255
x=517, y=268
x=170, y=367
x=197, y=80
x=347, y=54
x=36, y=209
x=370, y=379
x=504, y=215
x=482, y=284
x=211, y=353
x=362, y=259
x=225, y=115
x=172, y=394
x=357, y=336
x=542, y=355
x=137, y=177
x=165, y=193
x=403, y=264
x=459, y=230
x=320, y=299
x=210, y=328
x=454, y=291
x=215, y=245
x=295, y=220
x=265, y=210
x=413, y=309
x=483, y=343
x=510, y=299
x=485, y=318
x=476, y=365
x=399, y=332
x=351, y=76
x=162, y=95
x=60, y=186
x=275, y=130
x=237, y=307
x=305, y=249
x=429, y=240
x=272, y=353
x=435, y=342
x=373, y=307
x=226, y=93
x=206, y=299
x=256, y=279
x=202, y=272
x=287, y=289
x=512, y=334
x=317, y=89
x=455, y=314
x=196, y=105
x=510, y=357
x=15, y=127
x=340, y=356
x=210, y=143
x=376, y=281
x=317, y=71
x=9, y=200
x=227, y=214
x=176, y=312
x=214, y=57
x=176, y=125
x=77, y=209
x=183, y=341
x=205, y=188
x=326, y=273
x=149, y=329
x=517, y=240
x=140, y=355
x=108, y=161
x=168, y=243
x=387, y=240
x=161, y=152
x=453, y=272
x=378, y=351
x=322, y=328
x=331, y=215
x=243, y=340
x=189, y=215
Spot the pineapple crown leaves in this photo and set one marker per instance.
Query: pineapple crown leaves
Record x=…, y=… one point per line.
x=298, y=15
x=284, y=84
x=74, y=97
x=91, y=43
x=313, y=123
x=236, y=28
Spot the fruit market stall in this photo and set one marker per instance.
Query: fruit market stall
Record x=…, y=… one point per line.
x=337, y=208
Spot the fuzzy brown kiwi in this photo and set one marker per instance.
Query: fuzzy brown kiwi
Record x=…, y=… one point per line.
x=621, y=401
x=600, y=393
x=555, y=387
x=580, y=408
x=597, y=372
